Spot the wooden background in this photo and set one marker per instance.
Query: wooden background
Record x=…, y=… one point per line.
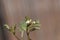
x=47, y=11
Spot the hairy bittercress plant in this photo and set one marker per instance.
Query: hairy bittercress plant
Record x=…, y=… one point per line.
x=28, y=25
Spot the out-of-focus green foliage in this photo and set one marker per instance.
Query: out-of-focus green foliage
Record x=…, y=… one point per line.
x=11, y=29
x=23, y=26
x=28, y=25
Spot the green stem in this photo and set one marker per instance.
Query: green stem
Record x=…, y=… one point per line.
x=28, y=36
x=27, y=32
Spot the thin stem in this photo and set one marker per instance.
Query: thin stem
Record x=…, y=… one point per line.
x=28, y=36
x=27, y=32
x=17, y=37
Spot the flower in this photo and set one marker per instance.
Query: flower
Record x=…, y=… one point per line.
x=28, y=21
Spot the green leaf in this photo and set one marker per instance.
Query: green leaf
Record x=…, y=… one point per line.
x=23, y=26
x=37, y=21
x=37, y=28
x=12, y=29
x=36, y=25
x=33, y=29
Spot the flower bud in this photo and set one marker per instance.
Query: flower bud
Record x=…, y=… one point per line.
x=28, y=21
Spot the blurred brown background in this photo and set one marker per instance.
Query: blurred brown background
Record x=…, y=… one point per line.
x=47, y=11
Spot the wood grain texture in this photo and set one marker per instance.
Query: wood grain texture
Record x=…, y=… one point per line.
x=47, y=11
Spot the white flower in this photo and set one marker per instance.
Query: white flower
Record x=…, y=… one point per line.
x=28, y=21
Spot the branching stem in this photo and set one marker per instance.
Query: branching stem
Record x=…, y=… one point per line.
x=28, y=36
x=17, y=37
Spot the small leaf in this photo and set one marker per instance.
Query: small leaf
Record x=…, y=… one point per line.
x=37, y=28
x=6, y=26
x=37, y=25
x=23, y=26
x=33, y=29
x=37, y=21
x=13, y=28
